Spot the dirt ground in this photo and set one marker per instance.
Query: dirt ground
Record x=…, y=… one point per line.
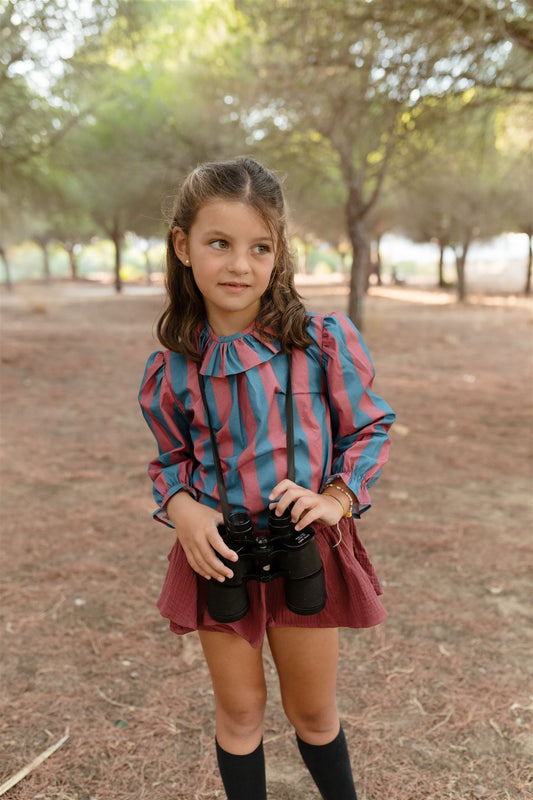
x=436, y=703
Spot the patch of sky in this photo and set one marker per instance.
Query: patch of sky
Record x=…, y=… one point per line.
x=508, y=246
x=55, y=42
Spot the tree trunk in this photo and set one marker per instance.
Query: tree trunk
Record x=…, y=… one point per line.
x=43, y=244
x=360, y=248
x=7, y=269
x=442, y=247
x=116, y=238
x=69, y=247
x=378, y=259
x=527, y=287
x=360, y=258
x=460, y=265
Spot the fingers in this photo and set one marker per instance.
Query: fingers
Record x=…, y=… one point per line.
x=202, y=551
x=306, y=509
x=322, y=511
x=217, y=543
x=282, y=487
x=307, y=516
x=288, y=492
x=204, y=561
x=307, y=506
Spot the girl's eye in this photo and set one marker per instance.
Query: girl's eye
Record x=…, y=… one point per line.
x=261, y=249
x=219, y=244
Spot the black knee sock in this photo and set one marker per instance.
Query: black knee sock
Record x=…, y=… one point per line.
x=329, y=765
x=243, y=776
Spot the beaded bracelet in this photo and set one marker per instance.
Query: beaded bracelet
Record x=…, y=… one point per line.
x=348, y=513
x=338, y=501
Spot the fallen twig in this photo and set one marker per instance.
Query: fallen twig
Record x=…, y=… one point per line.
x=114, y=702
x=496, y=727
x=442, y=722
x=419, y=705
x=398, y=672
x=380, y=651
x=22, y=773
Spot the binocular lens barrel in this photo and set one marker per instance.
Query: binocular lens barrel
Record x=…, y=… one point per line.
x=280, y=526
x=306, y=596
x=228, y=602
x=239, y=525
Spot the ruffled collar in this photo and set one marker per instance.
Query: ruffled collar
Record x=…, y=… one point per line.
x=229, y=355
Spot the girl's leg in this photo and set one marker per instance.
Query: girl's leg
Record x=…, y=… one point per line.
x=306, y=660
x=240, y=697
x=240, y=691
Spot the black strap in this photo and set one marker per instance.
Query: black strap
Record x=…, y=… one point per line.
x=291, y=472
x=218, y=468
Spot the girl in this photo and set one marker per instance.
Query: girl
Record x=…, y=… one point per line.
x=235, y=323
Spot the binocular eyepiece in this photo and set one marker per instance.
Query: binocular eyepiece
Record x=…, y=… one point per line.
x=239, y=527
x=285, y=553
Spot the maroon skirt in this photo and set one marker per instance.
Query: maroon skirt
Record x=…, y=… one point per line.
x=352, y=588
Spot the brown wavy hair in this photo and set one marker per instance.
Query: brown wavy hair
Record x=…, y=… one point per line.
x=282, y=313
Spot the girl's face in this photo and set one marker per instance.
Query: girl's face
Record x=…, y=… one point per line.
x=231, y=253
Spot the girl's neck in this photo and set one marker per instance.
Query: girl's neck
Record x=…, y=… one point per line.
x=230, y=324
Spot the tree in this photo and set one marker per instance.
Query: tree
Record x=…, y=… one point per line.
x=132, y=113
x=360, y=74
x=454, y=194
x=514, y=128
x=157, y=116
x=382, y=219
x=38, y=39
x=10, y=229
x=37, y=42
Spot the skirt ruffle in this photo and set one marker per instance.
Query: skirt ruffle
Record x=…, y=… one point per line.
x=352, y=588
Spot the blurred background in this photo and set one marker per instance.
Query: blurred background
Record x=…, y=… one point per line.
x=404, y=131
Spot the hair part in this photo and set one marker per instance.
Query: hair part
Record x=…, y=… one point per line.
x=282, y=313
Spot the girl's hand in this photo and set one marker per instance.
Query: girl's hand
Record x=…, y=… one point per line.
x=196, y=529
x=308, y=506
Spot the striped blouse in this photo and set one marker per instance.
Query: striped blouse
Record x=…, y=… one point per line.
x=340, y=424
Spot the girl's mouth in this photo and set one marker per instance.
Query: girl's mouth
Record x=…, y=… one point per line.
x=234, y=287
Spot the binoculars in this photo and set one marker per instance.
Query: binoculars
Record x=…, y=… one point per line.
x=285, y=553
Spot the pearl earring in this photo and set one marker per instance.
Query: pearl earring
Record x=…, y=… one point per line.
x=187, y=261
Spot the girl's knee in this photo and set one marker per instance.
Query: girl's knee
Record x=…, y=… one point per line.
x=243, y=714
x=313, y=720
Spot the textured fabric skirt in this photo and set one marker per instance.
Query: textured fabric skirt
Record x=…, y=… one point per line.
x=352, y=588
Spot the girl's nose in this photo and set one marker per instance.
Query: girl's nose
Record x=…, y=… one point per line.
x=239, y=264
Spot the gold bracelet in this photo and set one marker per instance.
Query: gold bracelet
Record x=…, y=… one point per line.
x=348, y=513
x=338, y=501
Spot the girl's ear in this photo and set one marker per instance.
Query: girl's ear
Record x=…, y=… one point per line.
x=181, y=246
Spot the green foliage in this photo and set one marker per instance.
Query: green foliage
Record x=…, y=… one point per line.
x=364, y=76
x=37, y=41
x=370, y=109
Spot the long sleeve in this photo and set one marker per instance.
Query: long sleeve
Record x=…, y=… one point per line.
x=360, y=418
x=172, y=469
